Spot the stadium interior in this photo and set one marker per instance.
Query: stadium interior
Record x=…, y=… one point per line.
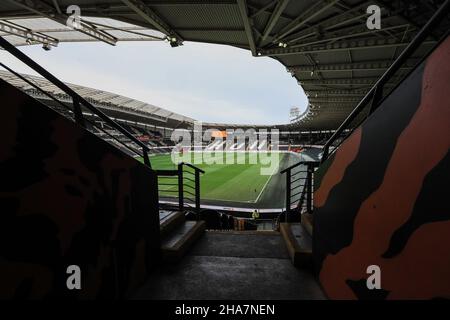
x=88, y=177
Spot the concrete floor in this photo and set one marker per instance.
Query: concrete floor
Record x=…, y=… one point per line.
x=233, y=266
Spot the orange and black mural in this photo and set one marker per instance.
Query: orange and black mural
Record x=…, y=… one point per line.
x=69, y=198
x=384, y=197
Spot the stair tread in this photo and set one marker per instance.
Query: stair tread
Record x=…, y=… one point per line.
x=165, y=215
x=298, y=242
x=302, y=237
x=178, y=235
x=307, y=222
x=170, y=220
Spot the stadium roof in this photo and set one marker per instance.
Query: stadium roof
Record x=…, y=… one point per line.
x=45, y=30
x=111, y=103
x=324, y=44
x=116, y=105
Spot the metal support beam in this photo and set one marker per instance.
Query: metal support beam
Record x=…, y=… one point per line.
x=144, y=11
x=263, y=9
x=274, y=18
x=56, y=4
x=335, y=93
x=387, y=76
x=78, y=113
x=336, y=109
x=324, y=102
x=396, y=11
x=344, y=81
x=348, y=33
x=332, y=22
x=341, y=46
x=242, y=4
x=333, y=100
x=146, y=158
x=305, y=17
x=27, y=34
x=45, y=10
x=381, y=65
x=330, y=110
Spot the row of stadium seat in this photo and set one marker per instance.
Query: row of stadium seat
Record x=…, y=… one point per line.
x=216, y=220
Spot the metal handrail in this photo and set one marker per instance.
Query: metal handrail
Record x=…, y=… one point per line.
x=168, y=190
x=376, y=92
x=296, y=165
x=192, y=167
x=166, y=173
x=75, y=96
x=189, y=179
x=307, y=187
x=18, y=75
x=179, y=174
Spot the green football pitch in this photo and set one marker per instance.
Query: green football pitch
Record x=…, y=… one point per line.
x=222, y=182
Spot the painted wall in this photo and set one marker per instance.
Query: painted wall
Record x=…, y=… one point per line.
x=384, y=197
x=69, y=198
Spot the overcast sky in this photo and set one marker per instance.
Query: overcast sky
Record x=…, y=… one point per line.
x=211, y=83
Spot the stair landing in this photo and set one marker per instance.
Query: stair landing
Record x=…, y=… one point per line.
x=233, y=265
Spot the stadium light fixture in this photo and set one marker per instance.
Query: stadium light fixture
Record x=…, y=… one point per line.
x=46, y=47
x=174, y=42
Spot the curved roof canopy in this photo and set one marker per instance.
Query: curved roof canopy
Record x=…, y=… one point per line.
x=325, y=44
x=112, y=104
x=116, y=105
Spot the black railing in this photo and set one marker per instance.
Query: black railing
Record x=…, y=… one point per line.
x=299, y=187
x=375, y=95
x=77, y=100
x=184, y=183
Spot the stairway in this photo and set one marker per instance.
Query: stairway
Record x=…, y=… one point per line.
x=298, y=240
x=233, y=265
x=177, y=234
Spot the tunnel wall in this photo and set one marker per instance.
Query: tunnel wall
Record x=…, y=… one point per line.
x=384, y=198
x=69, y=198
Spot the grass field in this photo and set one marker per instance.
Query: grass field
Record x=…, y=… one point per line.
x=224, y=182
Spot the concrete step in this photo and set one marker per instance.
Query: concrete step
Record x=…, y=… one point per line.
x=175, y=244
x=251, y=244
x=233, y=266
x=299, y=244
x=169, y=221
x=307, y=222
